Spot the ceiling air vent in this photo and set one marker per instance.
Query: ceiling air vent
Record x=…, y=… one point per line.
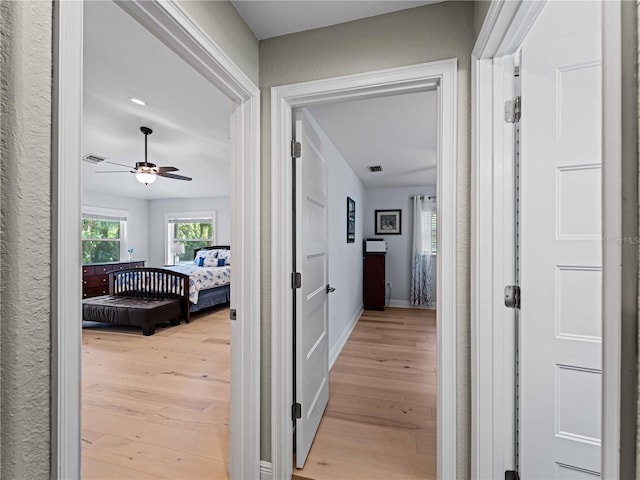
x=375, y=168
x=93, y=158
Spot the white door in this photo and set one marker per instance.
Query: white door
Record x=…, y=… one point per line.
x=561, y=262
x=311, y=339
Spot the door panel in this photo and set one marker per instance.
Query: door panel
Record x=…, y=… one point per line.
x=561, y=262
x=312, y=346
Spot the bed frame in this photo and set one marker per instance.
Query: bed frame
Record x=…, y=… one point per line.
x=147, y=282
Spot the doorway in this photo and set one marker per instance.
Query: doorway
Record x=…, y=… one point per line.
x=170, y=25
x=437, y=75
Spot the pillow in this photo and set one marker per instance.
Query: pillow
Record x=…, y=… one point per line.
x=200, y=261
x=205, y=254
x=226, y=255
x=221, y=262
x=210, y=261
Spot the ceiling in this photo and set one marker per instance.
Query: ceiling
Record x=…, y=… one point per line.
x=268, y=18
x=189, y=117
x=397, y=132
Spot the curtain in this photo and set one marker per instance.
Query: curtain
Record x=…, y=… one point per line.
x=423, y=250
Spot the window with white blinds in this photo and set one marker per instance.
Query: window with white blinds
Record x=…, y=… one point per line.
x=429, y=232
x=188, y=232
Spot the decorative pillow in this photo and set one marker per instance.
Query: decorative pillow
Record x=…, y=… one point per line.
x=205, y=254
x=200, y=261
x=210, y=261
x=226, y=255
x=221, y=262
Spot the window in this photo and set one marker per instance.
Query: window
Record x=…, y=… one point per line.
x=429, y=232
x=103, y=237
x=186, y=233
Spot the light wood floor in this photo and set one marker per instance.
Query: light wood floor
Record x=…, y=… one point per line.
x=381, y=419
x=157, y=407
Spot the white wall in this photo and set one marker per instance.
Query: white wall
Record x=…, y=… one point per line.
x=398, y=258
x=345, y=259
x=158, y=209
x=137, y=219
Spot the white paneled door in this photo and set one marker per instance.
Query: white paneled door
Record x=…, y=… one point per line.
x=560, y=346
x=311, y=257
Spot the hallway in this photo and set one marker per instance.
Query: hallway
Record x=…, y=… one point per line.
x=380, y=422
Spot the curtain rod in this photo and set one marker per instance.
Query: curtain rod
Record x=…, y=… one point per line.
x=429, y=197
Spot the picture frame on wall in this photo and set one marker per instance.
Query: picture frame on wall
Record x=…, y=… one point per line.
x=351, y=220
x=388, y=222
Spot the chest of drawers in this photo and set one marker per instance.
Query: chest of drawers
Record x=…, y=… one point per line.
x=95, y=277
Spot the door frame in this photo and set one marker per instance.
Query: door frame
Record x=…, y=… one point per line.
x=179, y=32
x=492, y=259
x=440, y=75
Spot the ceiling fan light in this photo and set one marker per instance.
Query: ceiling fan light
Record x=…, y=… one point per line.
x=145, y=178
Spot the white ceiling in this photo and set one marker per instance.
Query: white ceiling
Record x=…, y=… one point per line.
x=396, y=132
x=268, y=18
x=189, y=117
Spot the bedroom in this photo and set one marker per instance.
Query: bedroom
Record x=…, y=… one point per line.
x=144, y=104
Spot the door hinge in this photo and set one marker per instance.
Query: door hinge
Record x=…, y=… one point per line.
x=296, y=411
x=296, y=149
x=296, y=280
x=511, y=475
x=232, y=314
x=512, y=296
x=512, y=110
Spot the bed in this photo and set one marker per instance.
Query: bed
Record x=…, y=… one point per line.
x=209, y=277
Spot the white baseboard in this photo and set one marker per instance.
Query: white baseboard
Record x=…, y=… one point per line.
x=266, y=470
x=407, y=304
x=337, y=348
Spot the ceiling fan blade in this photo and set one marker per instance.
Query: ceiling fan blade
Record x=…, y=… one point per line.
x=120, y=164
x=174, y=176
x=167, y=169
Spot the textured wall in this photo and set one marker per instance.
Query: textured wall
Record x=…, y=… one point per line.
x=25, y=219
x=423, y=34
x=220, y=20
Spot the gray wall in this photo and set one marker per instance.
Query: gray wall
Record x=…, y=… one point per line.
x=220, y=20
x=25, y=238
x=158, y=208
x=424, y=34
x=398, y=258
x=480, y=9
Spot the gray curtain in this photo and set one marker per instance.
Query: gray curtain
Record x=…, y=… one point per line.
x=422, y=254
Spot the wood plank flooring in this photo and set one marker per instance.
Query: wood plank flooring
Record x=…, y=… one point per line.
x=157, y=407
x=380, y=422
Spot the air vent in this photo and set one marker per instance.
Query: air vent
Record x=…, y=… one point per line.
x=93, y=158
x=375, y=168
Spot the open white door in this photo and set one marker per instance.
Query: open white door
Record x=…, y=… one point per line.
x=560, y=259
x=312, y=346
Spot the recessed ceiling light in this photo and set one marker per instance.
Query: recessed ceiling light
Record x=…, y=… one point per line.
x=137, y=101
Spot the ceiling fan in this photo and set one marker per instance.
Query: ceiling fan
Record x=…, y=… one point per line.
x=147, y=172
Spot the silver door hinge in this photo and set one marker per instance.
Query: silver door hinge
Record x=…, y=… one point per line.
x=512, y=110
x=296, y=411
x=232, y=314
x=296, y=149
x=512, y=296
x=296, y=280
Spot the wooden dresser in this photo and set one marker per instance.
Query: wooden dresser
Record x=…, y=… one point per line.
x=373, y=289
x=95, y=276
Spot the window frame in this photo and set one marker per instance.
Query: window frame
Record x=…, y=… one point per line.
x=196, y=215
x=108, y=214
x=432, y=224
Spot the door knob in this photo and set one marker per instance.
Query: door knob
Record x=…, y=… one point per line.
x=330, y=289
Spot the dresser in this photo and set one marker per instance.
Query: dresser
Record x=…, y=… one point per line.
x=373, y=289
x=95, y=276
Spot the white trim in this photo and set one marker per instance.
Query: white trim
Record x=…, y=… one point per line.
x=441, y=75
x=612, y=250
x=177, y=30
x=266, y=470
x=344, y=336
x=407, y=304
x=502, y=34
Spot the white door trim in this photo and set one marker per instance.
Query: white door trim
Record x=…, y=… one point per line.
x=443, y=76
x=178, y=31
x=502, y=33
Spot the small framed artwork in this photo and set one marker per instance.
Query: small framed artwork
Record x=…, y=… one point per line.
x=388, y=222
x=351, y=220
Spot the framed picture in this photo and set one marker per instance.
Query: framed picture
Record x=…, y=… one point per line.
x=351, y=220
x=388, y=222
